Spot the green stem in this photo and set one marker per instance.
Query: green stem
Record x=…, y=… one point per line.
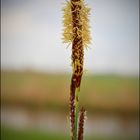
x=76, y=113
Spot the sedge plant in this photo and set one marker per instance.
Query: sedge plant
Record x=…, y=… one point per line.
x=77, y=34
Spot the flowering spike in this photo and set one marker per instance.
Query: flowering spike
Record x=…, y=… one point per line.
x=81, y=124
x=84, y=12
x=76, y=31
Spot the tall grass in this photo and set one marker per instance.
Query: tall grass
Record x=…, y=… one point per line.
x=76, y=32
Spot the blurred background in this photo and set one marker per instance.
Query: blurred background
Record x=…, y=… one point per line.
x=36, y=71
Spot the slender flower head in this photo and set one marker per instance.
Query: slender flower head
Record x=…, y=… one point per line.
x=81, y=124
x=76, y=32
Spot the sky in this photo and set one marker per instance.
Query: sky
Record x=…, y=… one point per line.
x=31, y=36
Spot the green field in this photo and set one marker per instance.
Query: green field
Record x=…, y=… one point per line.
x=99, y=93
x=102, y=94
x=10, y=134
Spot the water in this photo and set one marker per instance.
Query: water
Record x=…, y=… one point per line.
x=104, y=125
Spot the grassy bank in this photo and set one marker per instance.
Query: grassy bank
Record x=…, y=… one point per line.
x=99, y=93
x=11, y=134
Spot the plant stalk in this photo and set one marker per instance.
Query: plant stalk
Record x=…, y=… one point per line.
x=76, y=113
